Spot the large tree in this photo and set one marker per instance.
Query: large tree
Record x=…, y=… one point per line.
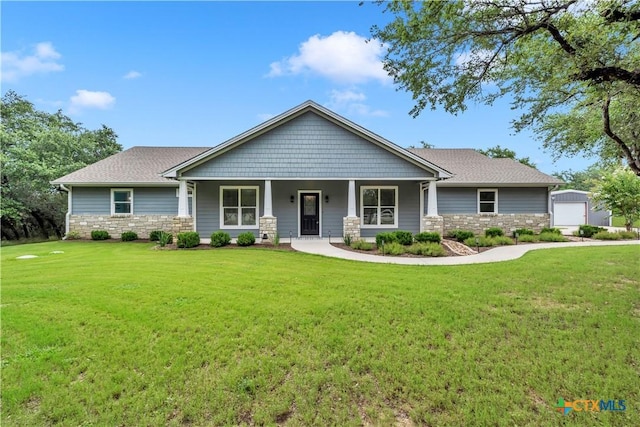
x=38, y=147
x=571, y=67
x=619, y=191
x=498, y=152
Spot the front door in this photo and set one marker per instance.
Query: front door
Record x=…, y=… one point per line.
x=309, y=214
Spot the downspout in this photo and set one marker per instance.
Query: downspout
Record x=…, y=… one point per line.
x=67, y=216
x=550, y=202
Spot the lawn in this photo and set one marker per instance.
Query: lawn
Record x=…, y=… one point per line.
x=120, y=334
x=618, y=221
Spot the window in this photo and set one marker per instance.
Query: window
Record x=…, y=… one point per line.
x=379, y=206
x=487, y=201
x=238, y=207
x=121, y=201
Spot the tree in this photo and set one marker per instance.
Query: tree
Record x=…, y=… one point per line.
x=38, y=147
x=580, y=180
x=571, y=67
x=423, y=144
x=498, y=152
x=619, y=191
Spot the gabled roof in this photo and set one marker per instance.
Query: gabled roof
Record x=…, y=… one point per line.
x=137, y=165
x=470, y=167
x=291, y=114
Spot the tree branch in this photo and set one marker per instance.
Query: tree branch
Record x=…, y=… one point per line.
x=634, y=164
x=607, y=74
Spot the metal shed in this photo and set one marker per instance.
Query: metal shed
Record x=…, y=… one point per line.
x=574, y=207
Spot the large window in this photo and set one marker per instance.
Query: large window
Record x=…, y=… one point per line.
x=487, y=201
x=238, y=207
x=379, y=206
x=121, y=201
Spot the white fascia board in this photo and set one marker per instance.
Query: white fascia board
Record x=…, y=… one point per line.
x=553, y=193
x=492, y=184
x=304, y=178
x=117, y=184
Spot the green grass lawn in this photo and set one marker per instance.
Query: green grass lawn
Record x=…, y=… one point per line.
x=120, y=334
x=618, y=221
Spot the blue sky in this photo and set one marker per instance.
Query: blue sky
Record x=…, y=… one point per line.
x=199, y=73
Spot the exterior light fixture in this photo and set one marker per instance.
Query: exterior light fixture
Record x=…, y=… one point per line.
x=292, y=198
x=326, y=199
x=265, y=236
x=477, y=245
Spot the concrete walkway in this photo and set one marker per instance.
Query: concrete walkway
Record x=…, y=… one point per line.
x=501, y=253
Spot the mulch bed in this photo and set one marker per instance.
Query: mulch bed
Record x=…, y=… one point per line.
x=377, y=252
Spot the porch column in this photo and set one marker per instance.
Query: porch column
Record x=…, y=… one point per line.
x=268, y=207
x=183, y=199
x=432, y=200
x=351, y=204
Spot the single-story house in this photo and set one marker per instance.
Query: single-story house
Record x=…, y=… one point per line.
x=306, y=172
x=574, y=207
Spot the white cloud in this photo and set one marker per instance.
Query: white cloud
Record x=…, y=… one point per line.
x=343, y=57
x=351, y=102
x=132, y=75
x=84, y=99
x=16, y=65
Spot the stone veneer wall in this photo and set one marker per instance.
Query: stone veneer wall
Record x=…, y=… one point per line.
x=268, y=226
x=508, y=222
x=143, y=225
x=432, y=223
x=351, y=227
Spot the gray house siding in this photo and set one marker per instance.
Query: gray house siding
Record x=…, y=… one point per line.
x=453, y=200
x=146, y=201
x=308, y=146
x=595, y=216
x=408, y=206
x=91, y=201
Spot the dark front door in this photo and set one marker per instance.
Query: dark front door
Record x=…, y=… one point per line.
x=310, y=214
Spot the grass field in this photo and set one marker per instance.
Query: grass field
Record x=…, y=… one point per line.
x=618, y=221
x=120, y=334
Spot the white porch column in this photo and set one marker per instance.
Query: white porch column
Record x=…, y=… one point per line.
x=351, y=204
x=268, y=207
x=432, y=199
x=183, y=199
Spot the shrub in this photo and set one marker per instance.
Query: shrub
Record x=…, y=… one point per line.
x=387, y=237
x=73, y=235
x=129, y=236
x=246, y=239
x=589, y=230
x=154, y=236
x=550, y=230
x=362, y=245
x=426, y=249
x=483, y=242
x=165, y=239
x=528, y=238
x=493, y=232
x=523, y=232
x=627, y=235
x=276, y=240
x=220, y=238
x=188, y=239
x=607, y=235
x=502, y=240
x=552, y=237
x=460, y=235
x=393, y=248
x=404, y=237
x=100, y=235
x=347, y=240
x=427, y=236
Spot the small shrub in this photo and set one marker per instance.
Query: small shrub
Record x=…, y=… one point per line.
x=73, y=235
x=502, y=240
x=460, y=235
x=165, y=239
x=552, y=237
x=589, y=230
x=483, y=242
x=219, y=239
x=546, y=230
x=528, y=238
x=188, y=239
x=129, y=236
x=427, y=236
x=524, y=232
x=393, y=248
x=347, y=240
x=246, y=239
x=426, y=249
x=100, y=235
x=154, y=236
x=387, y=237
x=607, y=235
x=362, y=245
x=493, y=232
x=627, y=235
x=276, y=240
x=404, y=237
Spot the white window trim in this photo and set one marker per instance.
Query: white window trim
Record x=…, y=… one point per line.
x=495, y=203
x=221, y=208
x=396, y=207
x=113, y=205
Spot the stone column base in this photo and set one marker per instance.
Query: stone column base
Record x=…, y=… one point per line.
x=432, y=223
x=268, y=226
x=351, y=227
x=182, y=224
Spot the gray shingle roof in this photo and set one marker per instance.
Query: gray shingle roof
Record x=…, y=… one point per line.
x=142, y=165
x=470, y=167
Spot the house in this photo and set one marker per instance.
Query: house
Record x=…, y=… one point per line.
x=574, y=207
x=307, y=172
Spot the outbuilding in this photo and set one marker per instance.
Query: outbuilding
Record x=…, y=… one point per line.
x=574, y=207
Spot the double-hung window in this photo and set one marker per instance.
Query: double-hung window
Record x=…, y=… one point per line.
x=121, y=201
x=379, y=206
x=487, y=201
x=238, y=207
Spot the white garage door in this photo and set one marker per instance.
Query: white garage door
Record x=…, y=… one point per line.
x=570, y=213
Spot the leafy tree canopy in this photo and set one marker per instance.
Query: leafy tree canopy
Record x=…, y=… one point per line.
x=504, y=153
x=38, y=147
x=581, y=180
x=619, y=191
x=572, y=67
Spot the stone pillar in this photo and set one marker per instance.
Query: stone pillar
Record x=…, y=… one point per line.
x=183, y=199
x=351, y=227
x=182, y=224
x=432, y=223
x=268, y=226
